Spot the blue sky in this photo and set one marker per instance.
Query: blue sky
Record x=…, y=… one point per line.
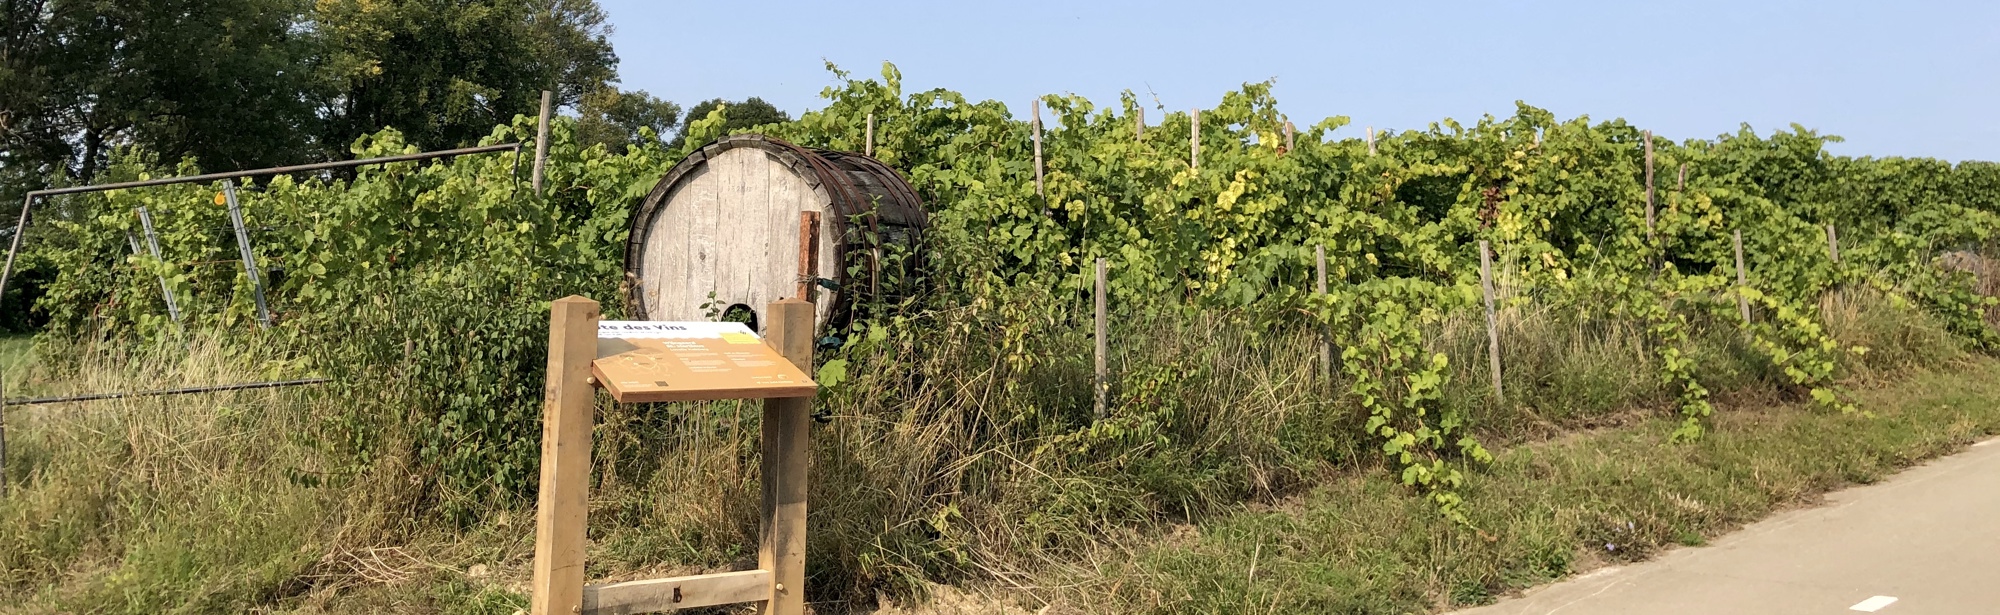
x=1894, y=78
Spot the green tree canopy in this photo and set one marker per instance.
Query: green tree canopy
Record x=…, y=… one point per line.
x=750, y=113
x=620, y=119
x=250, y=83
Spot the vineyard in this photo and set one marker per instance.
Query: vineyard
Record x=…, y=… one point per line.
x=959, y=439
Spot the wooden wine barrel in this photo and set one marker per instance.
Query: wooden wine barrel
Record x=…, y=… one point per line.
x=726, y=221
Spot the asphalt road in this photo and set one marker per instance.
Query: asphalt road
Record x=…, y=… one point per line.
x=1925, y=541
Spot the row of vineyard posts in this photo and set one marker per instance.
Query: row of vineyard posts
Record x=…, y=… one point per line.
x=1100, y=328
x=1439, y=481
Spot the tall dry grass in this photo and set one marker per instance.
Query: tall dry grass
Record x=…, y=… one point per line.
x=960, y=444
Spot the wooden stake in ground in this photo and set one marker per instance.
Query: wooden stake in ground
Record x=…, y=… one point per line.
x=1492, y=322
x=787, y=422
x=1371, y=140
x=1742, y=281
x=1194, y=139
x=1036, y=125
x=808, y=244
x=1832, y=243
x=566, y=422
x=1682, y=185
x=1325, y=347
x=1649, y=186
x=868, y=139
x=1288, y=135
x=786, y=433
x=3, y=438
x=541, y=143
x=1103, y=388
x=1139, y=124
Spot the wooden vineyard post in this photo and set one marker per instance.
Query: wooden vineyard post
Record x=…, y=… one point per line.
x=541, y=144
x=782, y=549
x=1682, y=184
x=1036, y=126
x=1832, y=244
x=1103, y=384
x=1139, y=124
x=1319, y=287
x=1289, y=131
x=1492, y=322
x=787, y=421
x=808, y=244
x=1742, y=281
x=3, y=437
x=566, y=424
x=1194, y=138
x=1371, y=140
x=868, y=139
x=1649, y=186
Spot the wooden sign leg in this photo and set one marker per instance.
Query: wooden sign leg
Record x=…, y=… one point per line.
x=787, y=423
x=570, y=398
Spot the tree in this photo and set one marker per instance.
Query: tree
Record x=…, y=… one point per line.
x=216, y=79
x=445, y=72
x=750, y=113
x=618, y=119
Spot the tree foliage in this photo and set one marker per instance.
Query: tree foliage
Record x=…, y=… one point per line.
x=252, y=83
x=749, y=113
x=621, y=119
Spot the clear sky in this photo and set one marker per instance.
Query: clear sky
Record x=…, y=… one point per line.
x=1895, y=78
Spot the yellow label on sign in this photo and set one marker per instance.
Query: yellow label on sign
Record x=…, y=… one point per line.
x=741, y=338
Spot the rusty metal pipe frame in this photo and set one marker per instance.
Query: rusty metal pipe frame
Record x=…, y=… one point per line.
x=21, y=226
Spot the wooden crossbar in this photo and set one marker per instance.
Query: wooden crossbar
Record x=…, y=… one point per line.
x=663, y=595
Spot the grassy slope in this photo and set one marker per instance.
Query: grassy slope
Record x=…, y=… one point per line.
x=14, y=351
x=1543, y=511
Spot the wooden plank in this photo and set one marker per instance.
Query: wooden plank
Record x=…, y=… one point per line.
x=1325, y=346
x=1742, y=281
x=565, y=488
x=1649, y=186
x=1103, y=382
x=1492, y=322
x=541, y=144
x=808, y=247
x=3, y=438
x=1194, y=139
x=786, y=430
x=651, y=361
x=1036, y=127
x=666, y=595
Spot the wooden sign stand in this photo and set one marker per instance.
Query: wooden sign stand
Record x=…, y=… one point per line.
x=778, y=583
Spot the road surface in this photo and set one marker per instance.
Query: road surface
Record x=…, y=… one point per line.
x=1924, y=541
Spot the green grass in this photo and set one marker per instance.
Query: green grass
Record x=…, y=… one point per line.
x=15, y=351
x=950, y=457
x=1362, y=544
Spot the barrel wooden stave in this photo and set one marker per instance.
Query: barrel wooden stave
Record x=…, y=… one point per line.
x=726, y=220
